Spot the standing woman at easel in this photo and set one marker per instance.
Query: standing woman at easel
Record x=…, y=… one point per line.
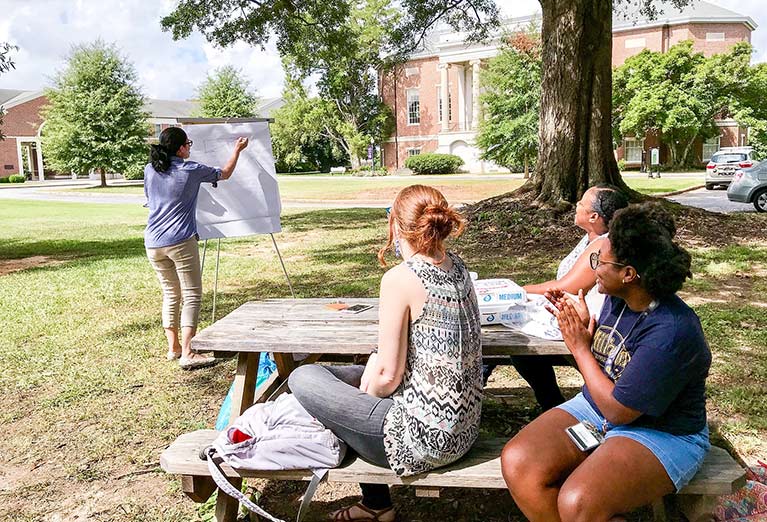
x=171, y=185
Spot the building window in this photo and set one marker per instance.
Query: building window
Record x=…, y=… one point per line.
x=413, y=152
x=157, y=130
x=412, y=71
x=636, y=43
x=715, y=37
x=413, y=107
x=449, y=105
x=632, y=150
x=710, y=146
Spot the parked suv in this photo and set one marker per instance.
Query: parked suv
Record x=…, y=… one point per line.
x=724, y=163
x=750, y=186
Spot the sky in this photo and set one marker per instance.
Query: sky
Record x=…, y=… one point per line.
x=45, y=30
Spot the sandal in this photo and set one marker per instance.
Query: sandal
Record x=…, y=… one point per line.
x=172, y=356
x=198, y=362
x=343, y=515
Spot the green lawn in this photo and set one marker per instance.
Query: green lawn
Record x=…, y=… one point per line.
x=87, y=400
x=383, y=189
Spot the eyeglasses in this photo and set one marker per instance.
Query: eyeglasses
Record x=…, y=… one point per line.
x=189, y=143
x=595, y=261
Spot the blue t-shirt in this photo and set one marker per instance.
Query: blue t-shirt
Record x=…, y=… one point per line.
x=661, y=368
x=172, y=198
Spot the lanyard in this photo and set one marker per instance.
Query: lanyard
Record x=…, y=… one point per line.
x=610, y=361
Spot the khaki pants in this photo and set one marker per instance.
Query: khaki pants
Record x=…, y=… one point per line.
x=178, y=269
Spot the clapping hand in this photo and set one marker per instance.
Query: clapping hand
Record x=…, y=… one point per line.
x=576, y=334
x=558, y=298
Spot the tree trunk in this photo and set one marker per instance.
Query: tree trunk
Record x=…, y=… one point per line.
x=527, y=167
x=103, y=173
x=576, y=148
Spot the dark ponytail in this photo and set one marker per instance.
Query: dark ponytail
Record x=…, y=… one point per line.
x=171, y=139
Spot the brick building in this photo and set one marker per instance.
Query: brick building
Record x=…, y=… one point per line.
x=23, y=125
x=448, y=69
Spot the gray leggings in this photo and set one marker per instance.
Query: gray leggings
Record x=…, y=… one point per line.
x=331, y=394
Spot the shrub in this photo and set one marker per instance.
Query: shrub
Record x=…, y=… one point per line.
x=433, y=163
x=369, y=173
x=134, y=171
x=17, y=178
x=621, y=164
x=5, y=179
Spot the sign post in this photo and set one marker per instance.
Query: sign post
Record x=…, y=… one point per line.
x=654, y=163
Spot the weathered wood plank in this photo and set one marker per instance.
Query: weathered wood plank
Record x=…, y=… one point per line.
x=308, y=326
x=480, y=468
x=244, y=383
x=197, y=488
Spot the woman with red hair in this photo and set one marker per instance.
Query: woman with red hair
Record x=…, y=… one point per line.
x=416, y=405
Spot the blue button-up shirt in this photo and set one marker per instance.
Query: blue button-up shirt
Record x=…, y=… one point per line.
x=172, y=199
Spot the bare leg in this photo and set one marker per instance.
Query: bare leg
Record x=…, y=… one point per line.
x=173, y=345
x=537, y=461
x=187, y=332
x=618, y=477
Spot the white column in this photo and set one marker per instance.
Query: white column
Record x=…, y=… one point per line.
x=461, y=71
x=443, y=93
x=18, y=153
x=474, y=93
x=40, y=166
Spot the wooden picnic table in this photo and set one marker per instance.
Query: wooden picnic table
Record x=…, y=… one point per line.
x=307, y=326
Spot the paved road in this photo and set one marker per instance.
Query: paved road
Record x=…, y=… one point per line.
x=713, y=200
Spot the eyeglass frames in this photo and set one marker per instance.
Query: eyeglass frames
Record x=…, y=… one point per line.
x=595, y=261
x=189, y=143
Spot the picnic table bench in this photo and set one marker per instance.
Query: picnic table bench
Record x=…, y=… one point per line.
x=306, y=326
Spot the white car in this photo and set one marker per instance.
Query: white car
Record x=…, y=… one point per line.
x=724, y=163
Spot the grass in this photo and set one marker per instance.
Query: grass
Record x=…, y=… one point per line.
x=382, y=189
x=87, y=401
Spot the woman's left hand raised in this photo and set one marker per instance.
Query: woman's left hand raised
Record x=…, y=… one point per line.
x=576, y=335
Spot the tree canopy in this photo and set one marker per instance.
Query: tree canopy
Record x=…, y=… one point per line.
x=679, y=94
x=6, y=64
x=95, y=117
x=302, y=136
x=226, y=94
x=508, y=134
x=321, y=29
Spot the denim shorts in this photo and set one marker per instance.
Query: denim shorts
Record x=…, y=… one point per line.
x=680, y=455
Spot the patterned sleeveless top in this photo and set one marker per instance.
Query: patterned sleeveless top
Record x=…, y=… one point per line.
x=435, y=417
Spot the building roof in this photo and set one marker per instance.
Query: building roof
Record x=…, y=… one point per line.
x=267, y=106
x=12, y=97
x=695, y=12
x=171, y=108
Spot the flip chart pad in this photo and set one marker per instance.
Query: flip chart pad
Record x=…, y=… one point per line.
x=248, y=202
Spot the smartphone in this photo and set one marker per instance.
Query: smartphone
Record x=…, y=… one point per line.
x=355, y=309
x=584, y=436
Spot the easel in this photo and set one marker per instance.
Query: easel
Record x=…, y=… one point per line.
x=215, y=278
x=194, y=121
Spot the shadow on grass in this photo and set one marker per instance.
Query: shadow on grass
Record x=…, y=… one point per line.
x=73, y=248
x=335, y=219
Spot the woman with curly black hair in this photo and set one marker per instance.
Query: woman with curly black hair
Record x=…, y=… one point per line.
x=644, y=363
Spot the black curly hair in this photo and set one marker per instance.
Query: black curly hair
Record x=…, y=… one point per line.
x=608, y=199
x=642, y=236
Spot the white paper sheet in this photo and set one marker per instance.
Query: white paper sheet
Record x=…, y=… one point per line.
x=248, y=202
